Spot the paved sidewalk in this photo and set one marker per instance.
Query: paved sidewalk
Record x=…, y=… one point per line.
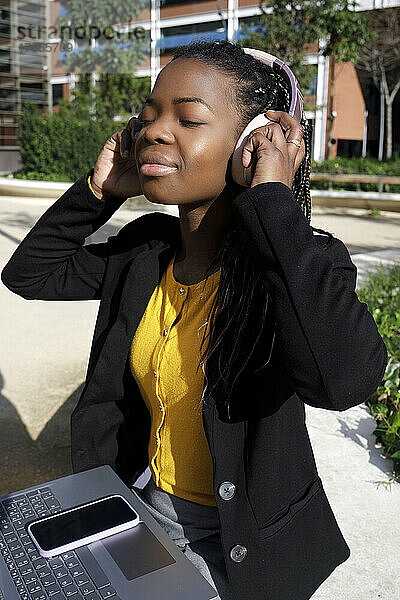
x=368, y=262
x=44, y=349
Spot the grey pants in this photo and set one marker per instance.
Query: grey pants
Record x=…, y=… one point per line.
x=195, y=529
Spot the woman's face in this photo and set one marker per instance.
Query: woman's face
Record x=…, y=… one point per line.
x=199, y=149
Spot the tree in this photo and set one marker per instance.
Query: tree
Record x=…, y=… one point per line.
x=61, y=147
x=381, y=58
x=285, y=32
x=292, y=26
x=122, y=94
x=346, y=31
x=103, y=43
x=115, y=95
x=116, y=51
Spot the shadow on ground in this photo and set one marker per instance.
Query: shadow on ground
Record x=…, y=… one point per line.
x=359, y=249
x=361, y=433
x=26, y=462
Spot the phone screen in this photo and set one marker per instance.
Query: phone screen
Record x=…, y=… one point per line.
x=82, y=522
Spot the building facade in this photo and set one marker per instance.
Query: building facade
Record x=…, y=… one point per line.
x=24, y=70
x=172, y=23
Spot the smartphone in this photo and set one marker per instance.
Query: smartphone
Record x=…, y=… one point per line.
x=81, y=525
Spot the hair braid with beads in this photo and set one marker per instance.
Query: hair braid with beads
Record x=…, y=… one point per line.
x=256, y=89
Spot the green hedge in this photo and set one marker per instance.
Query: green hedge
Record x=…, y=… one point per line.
x=366, y=166
x=64, y=146
x=56, y=148
x=381, y=293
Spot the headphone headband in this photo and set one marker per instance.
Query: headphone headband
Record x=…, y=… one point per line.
x=296, y=96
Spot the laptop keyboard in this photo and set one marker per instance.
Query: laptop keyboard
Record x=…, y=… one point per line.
x=75, y=574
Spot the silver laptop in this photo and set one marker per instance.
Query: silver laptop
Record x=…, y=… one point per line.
x=142, y=563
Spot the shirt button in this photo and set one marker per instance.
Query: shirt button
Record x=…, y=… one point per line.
x=181, y=290
x=227, y=490
x=238, y=553
x=155, y=374
x=161, y=406
x=165, y=332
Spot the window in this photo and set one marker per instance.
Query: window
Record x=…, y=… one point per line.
x=57, y=93
x=8, y=98
x=173, y=37
x=33, y=8
x=33, y=92
x=5, y=60
x=311, y=90
x=190, y=28
x=349, y=148
x=170, y=2
x=5, y=22
x=253, y=23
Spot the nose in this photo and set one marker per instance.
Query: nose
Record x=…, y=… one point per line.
x=158, y=131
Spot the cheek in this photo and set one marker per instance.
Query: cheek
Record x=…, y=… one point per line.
x=202, y=174
x=209, y=159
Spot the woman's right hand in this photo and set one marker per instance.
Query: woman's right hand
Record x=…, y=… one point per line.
x=115, y=173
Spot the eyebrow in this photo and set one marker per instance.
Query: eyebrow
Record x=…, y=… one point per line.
x=181, y=100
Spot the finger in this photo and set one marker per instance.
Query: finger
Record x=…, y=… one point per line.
x=293, y=129
x=288, y=122
x=134, y=125
x=300, y=156
x=125, y=145
x=256, y=138
x=276, y=136
x=115, y=141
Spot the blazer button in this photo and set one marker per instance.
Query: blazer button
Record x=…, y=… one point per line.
x=181, y=290
x=227, y=490
x=238, y=553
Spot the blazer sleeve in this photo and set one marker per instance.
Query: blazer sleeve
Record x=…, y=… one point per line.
x=326, y=338
x=52, y=262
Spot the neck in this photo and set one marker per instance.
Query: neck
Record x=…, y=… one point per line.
x=202, y=231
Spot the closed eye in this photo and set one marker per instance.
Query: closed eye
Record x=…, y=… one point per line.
x=187, y=123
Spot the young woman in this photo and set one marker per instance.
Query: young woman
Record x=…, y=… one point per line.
x=215, y=328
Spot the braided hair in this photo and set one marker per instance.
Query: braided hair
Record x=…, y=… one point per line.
x=256, y=88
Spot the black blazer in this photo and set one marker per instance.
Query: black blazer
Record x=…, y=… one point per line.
x=326, y=352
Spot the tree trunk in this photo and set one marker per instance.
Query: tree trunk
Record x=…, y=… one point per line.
x=389, y=125
x=92, y=94
x=389, y=150
x=330, y=107
x=381, y=124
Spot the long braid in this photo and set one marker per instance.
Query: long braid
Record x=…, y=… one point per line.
x=256, y=89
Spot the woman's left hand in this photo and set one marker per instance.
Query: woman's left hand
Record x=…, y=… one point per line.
x=277, y=159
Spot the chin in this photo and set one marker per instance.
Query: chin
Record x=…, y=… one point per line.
x=165, y=190
x=157, y=196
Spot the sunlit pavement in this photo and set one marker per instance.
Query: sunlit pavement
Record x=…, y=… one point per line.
x=44, y=347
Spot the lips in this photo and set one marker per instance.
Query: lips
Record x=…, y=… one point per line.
x=156, y=170
x=156, y=158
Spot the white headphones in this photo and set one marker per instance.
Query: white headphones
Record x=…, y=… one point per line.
x=243, y=175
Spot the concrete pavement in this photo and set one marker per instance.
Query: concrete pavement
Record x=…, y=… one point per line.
x=44, y=348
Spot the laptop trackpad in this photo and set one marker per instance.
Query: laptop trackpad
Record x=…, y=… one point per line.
x=137, y=551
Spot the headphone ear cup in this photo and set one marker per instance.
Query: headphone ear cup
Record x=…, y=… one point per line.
x=240, y=174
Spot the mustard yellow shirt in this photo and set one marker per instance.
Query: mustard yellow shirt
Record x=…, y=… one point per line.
x=164, y=356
